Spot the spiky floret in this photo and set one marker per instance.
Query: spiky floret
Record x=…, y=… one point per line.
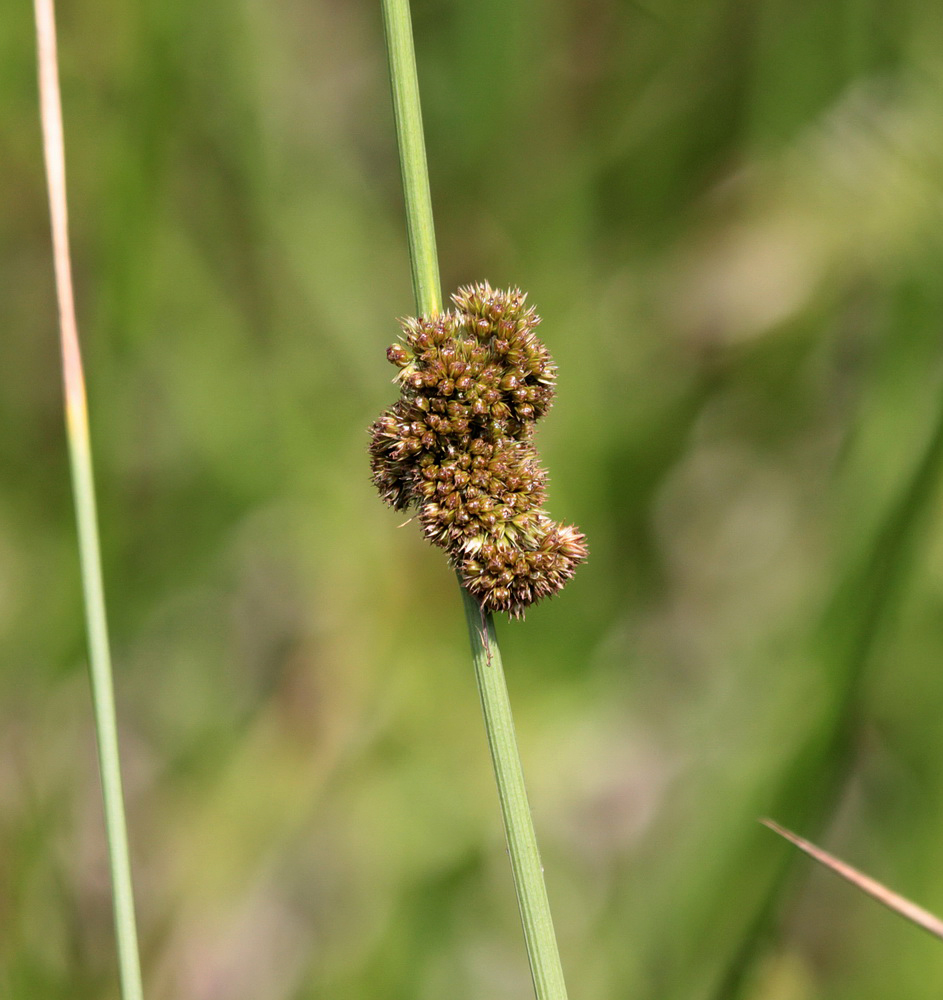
x=457, y=445
x=510, y=577
x=486, y=489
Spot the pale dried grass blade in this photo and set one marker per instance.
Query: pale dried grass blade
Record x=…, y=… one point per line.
x=892, y=900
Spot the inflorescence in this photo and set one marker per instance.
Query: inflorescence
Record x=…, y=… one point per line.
x=457, y=445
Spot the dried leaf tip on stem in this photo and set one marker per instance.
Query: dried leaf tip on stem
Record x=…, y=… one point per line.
x=458, y=446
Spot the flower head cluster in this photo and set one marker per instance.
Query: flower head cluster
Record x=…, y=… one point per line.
x=457, y=445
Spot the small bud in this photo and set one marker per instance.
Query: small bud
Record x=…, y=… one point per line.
x=397, y=355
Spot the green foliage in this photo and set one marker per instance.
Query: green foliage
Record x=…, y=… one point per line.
x=728, y=216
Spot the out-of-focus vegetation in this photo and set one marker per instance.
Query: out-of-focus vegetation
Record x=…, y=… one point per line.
x=728, y=215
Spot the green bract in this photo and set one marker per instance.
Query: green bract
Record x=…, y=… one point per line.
x=457, y=445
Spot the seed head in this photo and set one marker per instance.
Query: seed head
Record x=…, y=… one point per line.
x=473, y=383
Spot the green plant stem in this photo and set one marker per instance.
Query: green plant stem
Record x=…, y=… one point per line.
x=412, y=156
x=542, y=951
x=518, y=825
x=87, y=520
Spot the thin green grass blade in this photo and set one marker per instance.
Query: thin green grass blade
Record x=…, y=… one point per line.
x=87, y=520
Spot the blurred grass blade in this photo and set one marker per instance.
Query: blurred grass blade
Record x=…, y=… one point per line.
x=526, y=868
x=846, y=636
x=892, y=900
x=86, y=517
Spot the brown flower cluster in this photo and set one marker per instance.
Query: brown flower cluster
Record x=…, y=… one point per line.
x=457, y=445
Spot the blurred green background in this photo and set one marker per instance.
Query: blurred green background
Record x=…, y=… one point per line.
x=729, y=216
